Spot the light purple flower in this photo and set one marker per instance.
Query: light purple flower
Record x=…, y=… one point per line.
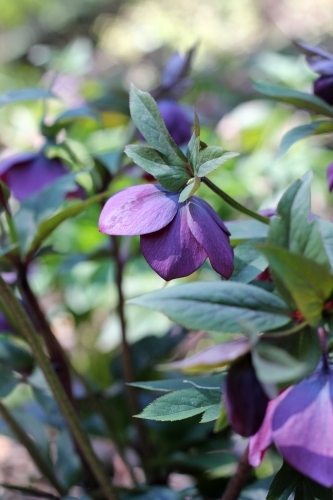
x=176, y=238
x=28, y=173
x=302, y=427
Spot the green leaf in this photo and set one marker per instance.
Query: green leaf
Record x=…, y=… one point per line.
x=8, y=382
x=212, y=382
x=248, y=261
x=211, y=414
x=49, y=225
x=294, y=231
x=211, y=158
x=242, y=230
x=147, y=118
x=274, y=365
x=72, y=115
x=283, y=484
x=171, y=176
x=68, y=465
x=298, y=133
x=308, y=282
x=32, y=94
x=14, y=357
x=218, y=306
x=302, y=100
x=181, y=404
x=193, y=149
x=326, y=234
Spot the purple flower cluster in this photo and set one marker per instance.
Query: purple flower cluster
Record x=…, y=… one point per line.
x=299, y=421
x=28, y=173
x=176, y=238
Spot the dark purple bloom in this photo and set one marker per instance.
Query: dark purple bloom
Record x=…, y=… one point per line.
x=176, y=120
x=321, y=61
x=176, y=238
x=28, y=173
x=323, y=88
x=245, y=400
x=329, y=173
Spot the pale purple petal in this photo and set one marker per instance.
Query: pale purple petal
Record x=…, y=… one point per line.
x=138, y=210
x=173, y=252
x=260, y=441
x=211, y=235
x=10, y=162
x=213, y=357
x=302, y=428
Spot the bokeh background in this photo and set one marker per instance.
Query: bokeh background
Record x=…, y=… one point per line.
x=90, y=50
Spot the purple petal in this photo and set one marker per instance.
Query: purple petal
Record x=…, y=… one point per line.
x=302, y=428
x=323, y=88
x=213, y=357
x=245, y=399
x=329, y=173
x=260, y=441
x=138, y=210
x=28, y=173
x=173, y=252
x=209, y=231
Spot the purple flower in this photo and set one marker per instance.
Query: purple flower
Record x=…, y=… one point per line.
x=329, y=174
x=320, y=61
x=302, y=427
x=244, y=397
x=28, y=173
x=323, y=88
x=176, y=238
x=176, y=121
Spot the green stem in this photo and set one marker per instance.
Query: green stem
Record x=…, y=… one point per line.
x=12, y=228
x=239, y=480
x=27, y=330
x=30, y=446
x=233, y=203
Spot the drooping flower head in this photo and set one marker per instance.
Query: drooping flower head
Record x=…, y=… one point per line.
x=176, y=238
x=26, y=174
x=300, y=423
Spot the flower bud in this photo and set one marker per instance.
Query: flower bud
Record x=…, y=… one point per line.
x=244, y=398
x=323, y=88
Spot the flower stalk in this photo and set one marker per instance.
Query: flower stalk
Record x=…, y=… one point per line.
x=233, y=203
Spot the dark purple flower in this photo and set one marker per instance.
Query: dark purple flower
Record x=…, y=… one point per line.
x=176, y=238
x=244, y=397
x=323, y=88
x=176, y=120
x=28, y=173
x=329, y=174
x=320, y=61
